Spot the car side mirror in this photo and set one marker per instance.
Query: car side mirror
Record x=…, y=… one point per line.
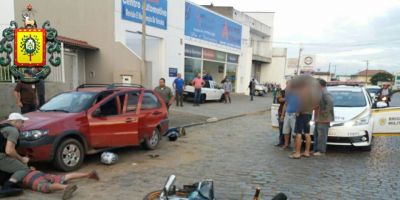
x=97, y=113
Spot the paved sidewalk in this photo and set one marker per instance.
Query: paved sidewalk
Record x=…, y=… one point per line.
x=241, y=105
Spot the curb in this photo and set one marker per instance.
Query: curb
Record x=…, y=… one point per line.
x=224, y=119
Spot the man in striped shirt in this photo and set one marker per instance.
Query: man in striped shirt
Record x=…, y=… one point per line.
x=46, y=183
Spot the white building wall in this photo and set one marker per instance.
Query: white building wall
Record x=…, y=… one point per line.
x=169, y=53
x=276, y=71
x=266, y=18
x=6, y=14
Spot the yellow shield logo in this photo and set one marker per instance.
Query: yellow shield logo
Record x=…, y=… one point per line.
x=30, y=47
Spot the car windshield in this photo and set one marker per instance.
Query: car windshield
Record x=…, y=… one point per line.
x=71, y=102
x=348, y=98
x=373, y=90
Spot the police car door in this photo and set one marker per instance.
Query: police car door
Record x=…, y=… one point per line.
x=386, y=121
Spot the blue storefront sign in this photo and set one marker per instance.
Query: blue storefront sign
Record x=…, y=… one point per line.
x=203, y=24
x=173, y=72
x=156, y=12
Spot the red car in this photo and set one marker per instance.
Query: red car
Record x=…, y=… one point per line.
x=91, y=119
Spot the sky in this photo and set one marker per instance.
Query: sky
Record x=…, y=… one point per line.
x=344, y=33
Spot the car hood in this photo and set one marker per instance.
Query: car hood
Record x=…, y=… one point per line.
x=40, y=120
x=343, y=114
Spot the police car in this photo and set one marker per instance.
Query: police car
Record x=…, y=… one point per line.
x=356, y=121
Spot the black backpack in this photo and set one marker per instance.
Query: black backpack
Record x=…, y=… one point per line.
x=3, y=140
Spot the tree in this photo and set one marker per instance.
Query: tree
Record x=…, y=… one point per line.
x=381, y=76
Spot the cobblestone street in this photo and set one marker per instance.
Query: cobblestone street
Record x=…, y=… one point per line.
x=239, y=154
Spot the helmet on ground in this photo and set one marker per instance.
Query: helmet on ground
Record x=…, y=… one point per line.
x=109, y=158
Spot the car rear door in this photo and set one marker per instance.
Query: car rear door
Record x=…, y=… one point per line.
x=109, y=125
x=151, y=113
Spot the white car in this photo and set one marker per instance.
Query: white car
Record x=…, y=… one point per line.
x=210, y=92
x=356, y=121
x=373, y=91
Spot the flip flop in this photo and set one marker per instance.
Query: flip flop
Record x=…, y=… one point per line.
x=294, y=157
x=306, y=156
x=69, y=191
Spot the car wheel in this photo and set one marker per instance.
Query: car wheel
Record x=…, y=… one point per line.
x=69, y=155
x=366, y=148
x=257, y=93
x=151, y=143
x=222, y=98
x=203, y=98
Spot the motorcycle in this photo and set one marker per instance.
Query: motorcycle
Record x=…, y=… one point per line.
x=203, y=190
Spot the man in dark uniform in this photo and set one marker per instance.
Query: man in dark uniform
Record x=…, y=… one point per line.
x=25, y=94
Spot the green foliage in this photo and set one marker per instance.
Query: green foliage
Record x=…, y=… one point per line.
x=382, y=76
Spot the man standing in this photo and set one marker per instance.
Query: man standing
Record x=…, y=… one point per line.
x=207, y=77
x=309, y=94
x=10, y=161
x=281, y=101
x=227, y=86
x=179, y=86
x=289, y=112
x=252, y=88
x=25, y=94
x=197, y=83
x=165, y=93
x=323, y=116
x=40, y=91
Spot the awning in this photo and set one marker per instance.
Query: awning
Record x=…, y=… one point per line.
x=76, y=43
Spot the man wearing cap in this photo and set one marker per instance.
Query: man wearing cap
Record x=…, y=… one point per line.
x=25, y=94
x=10, y=161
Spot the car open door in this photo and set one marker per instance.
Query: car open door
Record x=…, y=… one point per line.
x=386, y=121
x=110, y=125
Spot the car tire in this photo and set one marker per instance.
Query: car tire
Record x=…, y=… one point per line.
x=152, y=142
x=366, y=148
x=222, y=98
x=69, y=155
x=257, y=93
x=203, y=98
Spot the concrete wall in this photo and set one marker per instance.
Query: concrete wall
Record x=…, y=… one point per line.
x=91, y=21
x=266, y=18
x=7, y=98
x=277, y=70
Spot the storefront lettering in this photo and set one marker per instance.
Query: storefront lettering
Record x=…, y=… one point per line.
x=192, y=51
x=233, y=58
x=209, y=54
x=156, y=12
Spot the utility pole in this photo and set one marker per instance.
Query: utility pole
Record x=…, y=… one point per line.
x=335, y=71
x=298, y=62
x=366, y=73
x=143, y=68
x=329, y=72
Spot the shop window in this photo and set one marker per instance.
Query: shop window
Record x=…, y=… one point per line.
x=192, y=68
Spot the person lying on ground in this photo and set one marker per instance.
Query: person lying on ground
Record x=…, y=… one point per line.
x=47, y=183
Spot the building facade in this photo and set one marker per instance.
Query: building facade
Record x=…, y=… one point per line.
x=102, y=42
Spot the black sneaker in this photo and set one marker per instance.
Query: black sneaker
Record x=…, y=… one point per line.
x=10, y=189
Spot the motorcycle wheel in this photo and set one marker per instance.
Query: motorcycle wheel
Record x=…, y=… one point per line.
x=155, y=195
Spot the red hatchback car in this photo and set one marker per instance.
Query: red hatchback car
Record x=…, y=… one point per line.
x=91, y=119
